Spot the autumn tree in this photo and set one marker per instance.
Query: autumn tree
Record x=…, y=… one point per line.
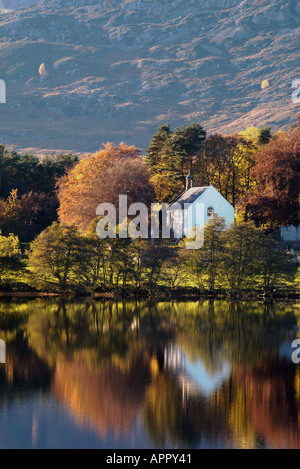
x=28, y=215
x=102, y=177
x=274, y=200
x=10, y=211
x=227, y=164
x=224, y=161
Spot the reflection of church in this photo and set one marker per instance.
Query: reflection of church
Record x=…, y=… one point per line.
x=2, y=352
x=194, y=376
x=175, y=359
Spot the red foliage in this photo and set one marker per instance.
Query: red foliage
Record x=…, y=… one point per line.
x=275, y=198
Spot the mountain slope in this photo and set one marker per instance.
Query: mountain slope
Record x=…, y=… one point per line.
x=114, y=70
x=15, y=4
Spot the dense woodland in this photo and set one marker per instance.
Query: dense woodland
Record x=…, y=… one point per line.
x=48, y=238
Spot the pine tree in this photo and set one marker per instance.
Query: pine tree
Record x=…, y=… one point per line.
x=171, y=155
x=157, y=144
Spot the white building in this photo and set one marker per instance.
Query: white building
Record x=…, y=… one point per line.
x=201, y=203
x=290, y=235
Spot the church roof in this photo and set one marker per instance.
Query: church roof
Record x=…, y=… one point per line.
x=189, y=196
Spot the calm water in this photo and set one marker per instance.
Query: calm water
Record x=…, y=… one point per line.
x=94, y=374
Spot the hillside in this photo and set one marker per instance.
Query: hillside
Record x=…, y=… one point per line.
x=15, y=4
x=114, y=70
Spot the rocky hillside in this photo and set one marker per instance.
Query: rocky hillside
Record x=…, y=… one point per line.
x=114, y=70
x=15, y=4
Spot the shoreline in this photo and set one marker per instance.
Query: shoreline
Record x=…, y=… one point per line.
x=188, y=296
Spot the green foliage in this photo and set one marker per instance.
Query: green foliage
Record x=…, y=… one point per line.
x=28, y=201
x=170, y=156
x=53, y=256
x=10, y=262
x=204, y=263
x=273, y=264
x=158, y=142
x=264, y=135
x=255, y=171
x=9, y=245
x=61, y=259
x=28, y=173
x=239, y=258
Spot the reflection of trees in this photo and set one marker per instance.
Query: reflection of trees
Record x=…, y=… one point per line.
x=108, y=367
x=108, y=399
x=240, y=331
x=24, y=370
x=102, y=363
x=13, y=317
x=102, y=343
x=172, y=417
x=268, y=393
x=261, y=405
x=164, y=415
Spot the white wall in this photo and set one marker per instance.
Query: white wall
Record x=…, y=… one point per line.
x=210, y=198
x=290, y=233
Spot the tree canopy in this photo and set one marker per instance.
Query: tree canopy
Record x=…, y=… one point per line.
x=102, y=177
x=274, y=199
x=171, y=155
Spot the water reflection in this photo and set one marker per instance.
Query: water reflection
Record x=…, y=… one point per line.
x=195, y=376
x=109, y=374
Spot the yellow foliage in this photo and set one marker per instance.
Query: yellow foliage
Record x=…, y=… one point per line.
x=42, y=70
x=9, y=245
x=163, y=187
x=251, y=134
x=265, y=84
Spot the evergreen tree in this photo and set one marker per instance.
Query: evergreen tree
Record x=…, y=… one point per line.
x=157, y=144
x=171, y=155
x=264, y=135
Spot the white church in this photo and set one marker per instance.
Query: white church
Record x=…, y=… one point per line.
x=203, y=203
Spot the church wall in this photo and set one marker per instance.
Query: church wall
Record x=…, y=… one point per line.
x=211, y=198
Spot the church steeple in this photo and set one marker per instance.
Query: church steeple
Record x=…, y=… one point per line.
x=189, y=181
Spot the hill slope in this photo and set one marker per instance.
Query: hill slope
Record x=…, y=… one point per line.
x=115, y=70
x=15, y=4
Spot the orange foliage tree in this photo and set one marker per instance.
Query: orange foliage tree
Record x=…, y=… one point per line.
x=274, y=200
x=102, y=177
